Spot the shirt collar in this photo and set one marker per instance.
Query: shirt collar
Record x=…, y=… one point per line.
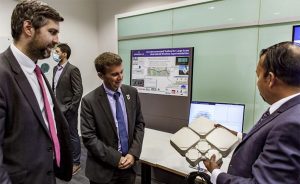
x=62, y=66
x=110, y=92
x=279, y=103
x=27, y=64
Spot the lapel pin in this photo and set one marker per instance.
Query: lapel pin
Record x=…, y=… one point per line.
x=128, y=97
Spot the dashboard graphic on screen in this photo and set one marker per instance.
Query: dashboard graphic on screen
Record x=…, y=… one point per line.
x=226, y=114
x=296, y=34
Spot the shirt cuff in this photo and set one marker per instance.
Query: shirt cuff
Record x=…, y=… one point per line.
x=240, y=136
x=214, y=175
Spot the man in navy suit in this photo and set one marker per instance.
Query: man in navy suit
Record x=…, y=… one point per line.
x=112, y=125
x=270, y=152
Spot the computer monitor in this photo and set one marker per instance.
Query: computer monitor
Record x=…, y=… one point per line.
x=296, y=34
x=226, y=114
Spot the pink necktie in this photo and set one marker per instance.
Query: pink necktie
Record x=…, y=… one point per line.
x=49, y=116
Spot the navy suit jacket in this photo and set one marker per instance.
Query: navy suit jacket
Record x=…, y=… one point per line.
x=270, y=152
x=99, y=132
x=26, y=153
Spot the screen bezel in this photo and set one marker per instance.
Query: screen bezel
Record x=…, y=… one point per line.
x=294, y=27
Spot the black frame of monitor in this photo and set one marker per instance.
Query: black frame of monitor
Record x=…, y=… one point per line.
x=214, y=103
x=294, y=27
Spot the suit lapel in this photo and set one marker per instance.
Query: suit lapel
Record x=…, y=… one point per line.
x=103, y=101
x=128, y=104
x=292, y=102
x=54, y=72
x=258, y=126
x=26, y=88
x=62, y=73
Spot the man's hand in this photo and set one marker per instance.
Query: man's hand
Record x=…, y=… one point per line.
x=211, y=164
x=126, y=162
x=121, y=161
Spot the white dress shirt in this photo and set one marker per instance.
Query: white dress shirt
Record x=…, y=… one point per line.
x=215, y=173
x=28, y=66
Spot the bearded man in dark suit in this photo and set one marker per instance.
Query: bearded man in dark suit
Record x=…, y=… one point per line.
x=34, y=135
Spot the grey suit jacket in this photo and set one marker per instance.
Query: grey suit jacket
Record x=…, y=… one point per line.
x=69, y=88
x=99, y=132
x=26, y=153
x=270, y=152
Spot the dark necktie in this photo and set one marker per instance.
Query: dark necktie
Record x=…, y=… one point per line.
x=264, y=116
x=49, y=116
x=121, y=125
x=60, y=68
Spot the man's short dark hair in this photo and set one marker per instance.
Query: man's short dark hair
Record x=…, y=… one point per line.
x=283, y=59
x=106, y=60
x=36, y=12
x=65, y=49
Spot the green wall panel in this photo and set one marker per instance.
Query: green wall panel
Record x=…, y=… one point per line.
x=224, y=67
x=216, y=13
x=278, y=9
x=146, y=23
x=148, y=43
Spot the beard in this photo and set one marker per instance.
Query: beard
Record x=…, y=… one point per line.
x=39, y=50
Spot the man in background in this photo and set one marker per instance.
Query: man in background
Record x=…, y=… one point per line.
x=270, y=152
x=34, y=135
x=67, y=87
x=112, y=125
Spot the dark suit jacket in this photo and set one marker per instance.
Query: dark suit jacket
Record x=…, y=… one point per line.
x=69, y=88
x=270, y=152
x=26, y=153
x=99, y=132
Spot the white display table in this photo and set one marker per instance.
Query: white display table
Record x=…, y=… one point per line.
x=158, y=152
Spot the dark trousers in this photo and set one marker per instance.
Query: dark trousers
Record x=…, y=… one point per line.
x=72, y=119
x=121, y=177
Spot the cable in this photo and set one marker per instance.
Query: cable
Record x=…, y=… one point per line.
x=190, y=179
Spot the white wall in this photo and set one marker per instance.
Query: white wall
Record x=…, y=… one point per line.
x=6, y=7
